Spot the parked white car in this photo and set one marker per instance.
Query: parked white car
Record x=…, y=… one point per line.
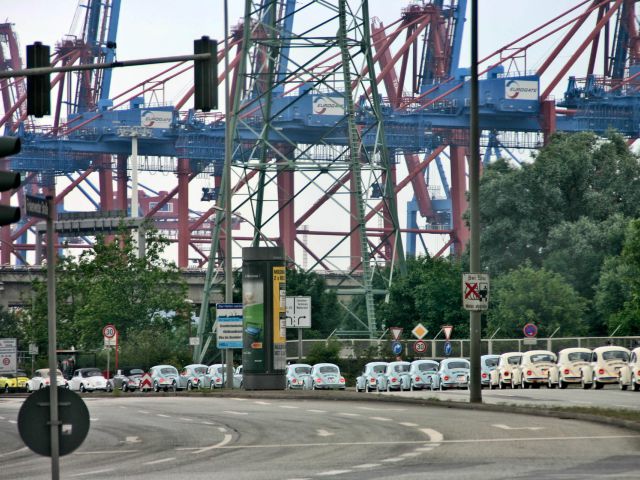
x=218, y=374
x=502, y=375
x=396, y=377
x=571, y=363
x=606, y=363
x=630, y=373
x=40, y=379
x=89, y=380
x=533, y=369
x=421, y=374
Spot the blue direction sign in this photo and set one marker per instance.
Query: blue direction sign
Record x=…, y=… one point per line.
x=530, y=330
x=396, y=348
x=447, y=348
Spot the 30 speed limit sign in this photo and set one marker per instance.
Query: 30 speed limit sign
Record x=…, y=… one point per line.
x=420, y=346
x=109, y=331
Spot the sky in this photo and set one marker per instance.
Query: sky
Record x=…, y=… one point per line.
x=153, y=28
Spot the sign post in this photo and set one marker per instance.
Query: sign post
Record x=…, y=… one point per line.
x=110, y=334
x=298, y=315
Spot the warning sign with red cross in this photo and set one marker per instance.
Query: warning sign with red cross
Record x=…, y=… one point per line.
x=475, y=291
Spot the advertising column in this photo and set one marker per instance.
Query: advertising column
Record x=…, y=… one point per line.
x=264, y=308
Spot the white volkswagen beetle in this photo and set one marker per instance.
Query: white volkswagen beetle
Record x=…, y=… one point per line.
x=571, y=363
x=606, y=363
x=502, y=375
x=534, y=368
x=630, y=373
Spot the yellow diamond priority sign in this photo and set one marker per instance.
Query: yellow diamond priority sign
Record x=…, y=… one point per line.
x=419, y=331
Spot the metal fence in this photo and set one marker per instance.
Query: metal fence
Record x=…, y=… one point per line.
x=374, y=348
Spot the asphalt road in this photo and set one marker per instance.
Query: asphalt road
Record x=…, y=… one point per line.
x=609, y=397
x=191, y=437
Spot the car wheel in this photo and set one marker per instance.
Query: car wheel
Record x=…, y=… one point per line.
x=441, y=387
x=388, y=387
x=598, y=384
x=289, y=386
x=585, y=385
x=411, y=386
x=212, y=385
x=636, y=386
x=41, y=387
x=550, y=384
x=174, y=387
x=313, y=386
x=82, y=389
x=156, y=387
x=623, y=387
x=562, y=384
x=525, y=384
x=189, y=386
x=502, y=385
x=6, y=388
x=109, y=387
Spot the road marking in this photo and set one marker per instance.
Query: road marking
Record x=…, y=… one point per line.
x=262, y=403
x=410, y=454
x=424, y=449
x=13, y=421
x=288, y=406
x=408, y=424
x=233, y=412
x=143, y=411
x=581, y=401
x=507, y=427
x=392, y=460
x=2, y=418
x=332, y=472
x=386, y=409
x=106, y=452
x=227, y=439
x=324, y=433
x=349, y=414
x=132, y=440
x=94, y=472
x=162, y=460
x=368, y=465
x=434, y=435
x=238, y=399
x=94, y=419
x=208, y=423
x=380, y=419
x=186, y=419
x=317, y=411
x=163, y=415
x=12, y=452
x=222, y=429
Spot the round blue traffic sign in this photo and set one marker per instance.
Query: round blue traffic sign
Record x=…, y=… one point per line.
x=447, y=348
x=530, y=330
x=396, y=348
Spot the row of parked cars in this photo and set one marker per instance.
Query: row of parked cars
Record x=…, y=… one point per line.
x=598, y=367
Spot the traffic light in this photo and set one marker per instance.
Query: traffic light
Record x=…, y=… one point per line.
x=205, y=80
x=38, y=86
x=9, y=180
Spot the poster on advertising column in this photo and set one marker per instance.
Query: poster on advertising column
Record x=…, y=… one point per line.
x=253, y=318
x=279, y=318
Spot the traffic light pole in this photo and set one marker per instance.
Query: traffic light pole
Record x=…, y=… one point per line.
x=53, y=361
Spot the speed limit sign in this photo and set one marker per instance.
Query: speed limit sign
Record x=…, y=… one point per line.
x=109, y=331
x=420, y=346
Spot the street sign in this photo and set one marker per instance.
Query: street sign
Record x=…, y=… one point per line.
x=447, y=329
x=530, y=330
x=145, y=382
x=396, y=348
x=193, y=341
x=109, y=331
x=475, y=291
x=229, y=318
x=396, y=332
x=298, y=313
x=419, y=331
x=529, y=341
x=34, y=418
x=419, y=346
x=8, y=355
x=36, y=206
x=447, y=348
x=33, y=349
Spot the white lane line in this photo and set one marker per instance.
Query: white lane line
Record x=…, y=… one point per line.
x=392, y=460
x=94, y=419
x=368, y=465
x=208, y=423
x=143, y=411
x=350, y=414
x=385, y=409
x=424, y=449
x=105, y=452
x=132, y=440
x=233, y=412
x=408, y=424
x=288, y=406
x=163, y=415
x=94, y=472
x=239, y=399
x=434, y=435
x=222, y=429
x=317, y=411
x=581, y=401
x=162, y=460
x=507, y=427
x=262, y=403
x=368, y=408
x=2, y=418
x=13, y=451
x=332, y=472
x=410, y=454
x=380, y=419
x=227, y=439
x=324, y=433
x=13, y=421
x=185, y=419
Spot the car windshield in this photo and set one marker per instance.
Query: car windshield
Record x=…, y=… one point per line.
x=302, y=370
x=379, y=368
x=579, y=356
x=136, y=371
x=459, y=364
x=427, y=367
x=542, y=357
x=491, y=362
x=329, y=369
x=92, y=373
x=168, y=371
x=404, y=367
x=615, y=355
x=515, y=360
x=200, y=370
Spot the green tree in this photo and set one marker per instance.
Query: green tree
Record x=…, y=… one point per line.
x=530, y=295
x=110, y=284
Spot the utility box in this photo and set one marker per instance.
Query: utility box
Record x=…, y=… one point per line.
x=264, y=354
